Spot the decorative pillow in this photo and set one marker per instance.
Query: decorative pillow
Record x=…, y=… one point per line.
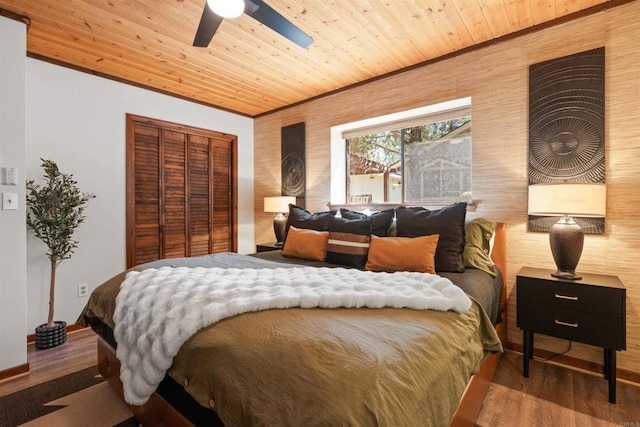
x=477, y=249
x=381, y=220
x=349, y=241
x=302, y=218
x=448, y=222
x=306, y=244
x=402, y=254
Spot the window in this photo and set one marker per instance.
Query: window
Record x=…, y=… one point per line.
x=424, y=159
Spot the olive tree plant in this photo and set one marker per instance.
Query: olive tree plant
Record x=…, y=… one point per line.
x=55, y=210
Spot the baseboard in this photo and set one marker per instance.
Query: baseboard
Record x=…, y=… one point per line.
x=31, y=338
x=15, y=371
x=621, y=374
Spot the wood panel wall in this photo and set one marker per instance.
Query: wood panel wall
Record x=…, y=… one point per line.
x=496, y=77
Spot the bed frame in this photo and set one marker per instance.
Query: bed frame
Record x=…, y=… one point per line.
x=158, y=412
x=473, y=397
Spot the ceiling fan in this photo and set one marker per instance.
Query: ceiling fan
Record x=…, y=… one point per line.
x=216, y=10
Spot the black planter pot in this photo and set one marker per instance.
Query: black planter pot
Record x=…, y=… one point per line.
x=51, y=336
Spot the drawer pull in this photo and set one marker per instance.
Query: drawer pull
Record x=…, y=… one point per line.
x=573, y=325
x=569, y=297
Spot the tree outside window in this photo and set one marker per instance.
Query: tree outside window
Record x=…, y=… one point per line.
x=430, y=162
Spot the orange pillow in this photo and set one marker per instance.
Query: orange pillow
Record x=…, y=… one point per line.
x=402, y=254
x=306, y=244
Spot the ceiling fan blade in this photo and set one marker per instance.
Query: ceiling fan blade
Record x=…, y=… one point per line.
x=263, y=13
x=208, y=26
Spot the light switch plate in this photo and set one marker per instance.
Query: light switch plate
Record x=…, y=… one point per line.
x=10, y=176
x=9, y=201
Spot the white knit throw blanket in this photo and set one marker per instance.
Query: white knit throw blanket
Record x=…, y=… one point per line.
x=158, y=310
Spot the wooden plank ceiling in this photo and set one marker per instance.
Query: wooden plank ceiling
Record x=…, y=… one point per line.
x=250, y=69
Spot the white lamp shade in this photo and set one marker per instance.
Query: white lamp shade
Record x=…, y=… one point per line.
x=278, y=204
x=579, y=199
x=226, y=8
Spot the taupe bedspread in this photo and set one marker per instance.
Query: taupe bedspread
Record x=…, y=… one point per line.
x=303, y=367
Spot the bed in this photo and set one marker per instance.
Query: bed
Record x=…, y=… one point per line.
x=321, y=366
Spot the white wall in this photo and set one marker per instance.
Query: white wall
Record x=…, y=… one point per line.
x=374, y=184
x=13, y=277
x=78, y=120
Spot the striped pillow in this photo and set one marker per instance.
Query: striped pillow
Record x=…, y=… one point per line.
x=349, y=241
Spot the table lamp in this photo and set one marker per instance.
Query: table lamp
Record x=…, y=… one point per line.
x=566, y=238
x=279, y=205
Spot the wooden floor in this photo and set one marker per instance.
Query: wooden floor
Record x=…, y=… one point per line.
x=552, y=395
x=77, y=353
x=555, y=395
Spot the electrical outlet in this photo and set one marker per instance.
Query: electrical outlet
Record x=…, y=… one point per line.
x=9, y=201
x=83, y=290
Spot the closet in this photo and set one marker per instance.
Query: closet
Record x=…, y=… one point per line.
x=181, y=191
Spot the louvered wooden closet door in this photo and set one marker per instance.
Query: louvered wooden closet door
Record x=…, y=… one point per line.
x=180, y=191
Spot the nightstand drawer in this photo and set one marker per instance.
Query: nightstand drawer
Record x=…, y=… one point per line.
x=589, y=328
x=571, y=296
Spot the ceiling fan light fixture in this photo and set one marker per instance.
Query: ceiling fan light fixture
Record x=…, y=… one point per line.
x=226, y=8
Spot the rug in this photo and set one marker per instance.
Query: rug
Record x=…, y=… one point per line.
x=79, y=399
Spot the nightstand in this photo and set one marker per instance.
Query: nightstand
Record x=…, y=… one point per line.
x=266, y=247
x=590, y=311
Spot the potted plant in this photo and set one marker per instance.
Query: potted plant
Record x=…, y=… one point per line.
x=55, y=210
